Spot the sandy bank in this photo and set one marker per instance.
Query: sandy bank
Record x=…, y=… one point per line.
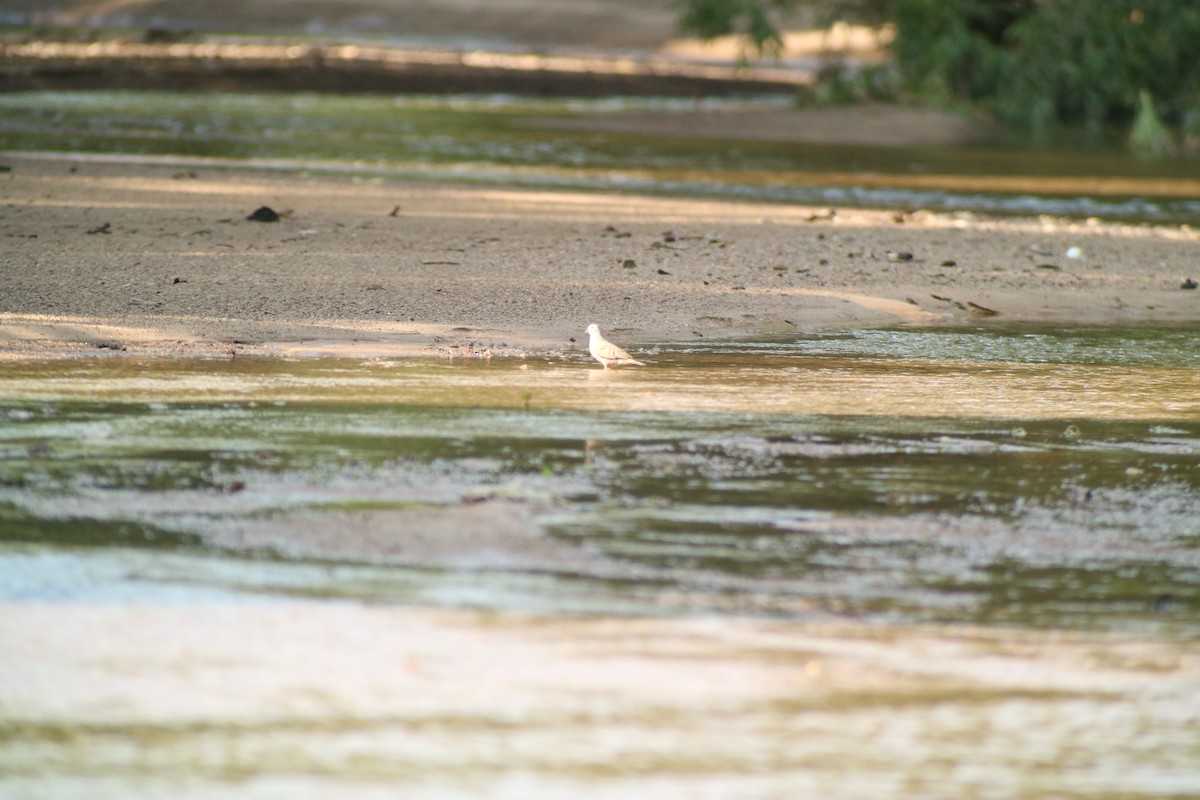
x=161, y=255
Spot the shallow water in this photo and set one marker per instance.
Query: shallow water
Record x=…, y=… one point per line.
x=504, y=139
x=1045, y=478
x=896, y=561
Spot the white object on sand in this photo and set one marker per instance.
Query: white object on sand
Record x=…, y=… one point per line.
x=605, y=351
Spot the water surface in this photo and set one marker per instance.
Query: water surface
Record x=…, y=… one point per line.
x=894, y=563
x=1045, y=478
x=509, y=140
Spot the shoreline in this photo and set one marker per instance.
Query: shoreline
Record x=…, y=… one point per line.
x=104, y=254
x=314, y=66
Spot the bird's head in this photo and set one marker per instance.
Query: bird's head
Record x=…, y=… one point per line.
x=593, y=330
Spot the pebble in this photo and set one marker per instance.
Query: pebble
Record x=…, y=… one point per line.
x=264, y=214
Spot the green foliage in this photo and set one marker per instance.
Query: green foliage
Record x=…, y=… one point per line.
x=1149, y=136
x=1040, y=64
x=837, y=84
x=754, y=19
x=1035, y=64
x=759, y=20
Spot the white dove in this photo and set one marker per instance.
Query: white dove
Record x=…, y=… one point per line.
x=605, y=351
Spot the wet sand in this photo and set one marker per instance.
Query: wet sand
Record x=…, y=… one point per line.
x=104, y=254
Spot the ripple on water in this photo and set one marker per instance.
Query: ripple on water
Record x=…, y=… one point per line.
x=422, y=580
x=887, y=474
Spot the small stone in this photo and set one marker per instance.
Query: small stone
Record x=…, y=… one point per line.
x=264, y=214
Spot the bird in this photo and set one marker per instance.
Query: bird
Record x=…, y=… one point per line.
x=605, y=351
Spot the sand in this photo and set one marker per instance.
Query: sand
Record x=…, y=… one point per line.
x=100, y=255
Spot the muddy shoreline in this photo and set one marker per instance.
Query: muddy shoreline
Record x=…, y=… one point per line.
x=103, y=254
